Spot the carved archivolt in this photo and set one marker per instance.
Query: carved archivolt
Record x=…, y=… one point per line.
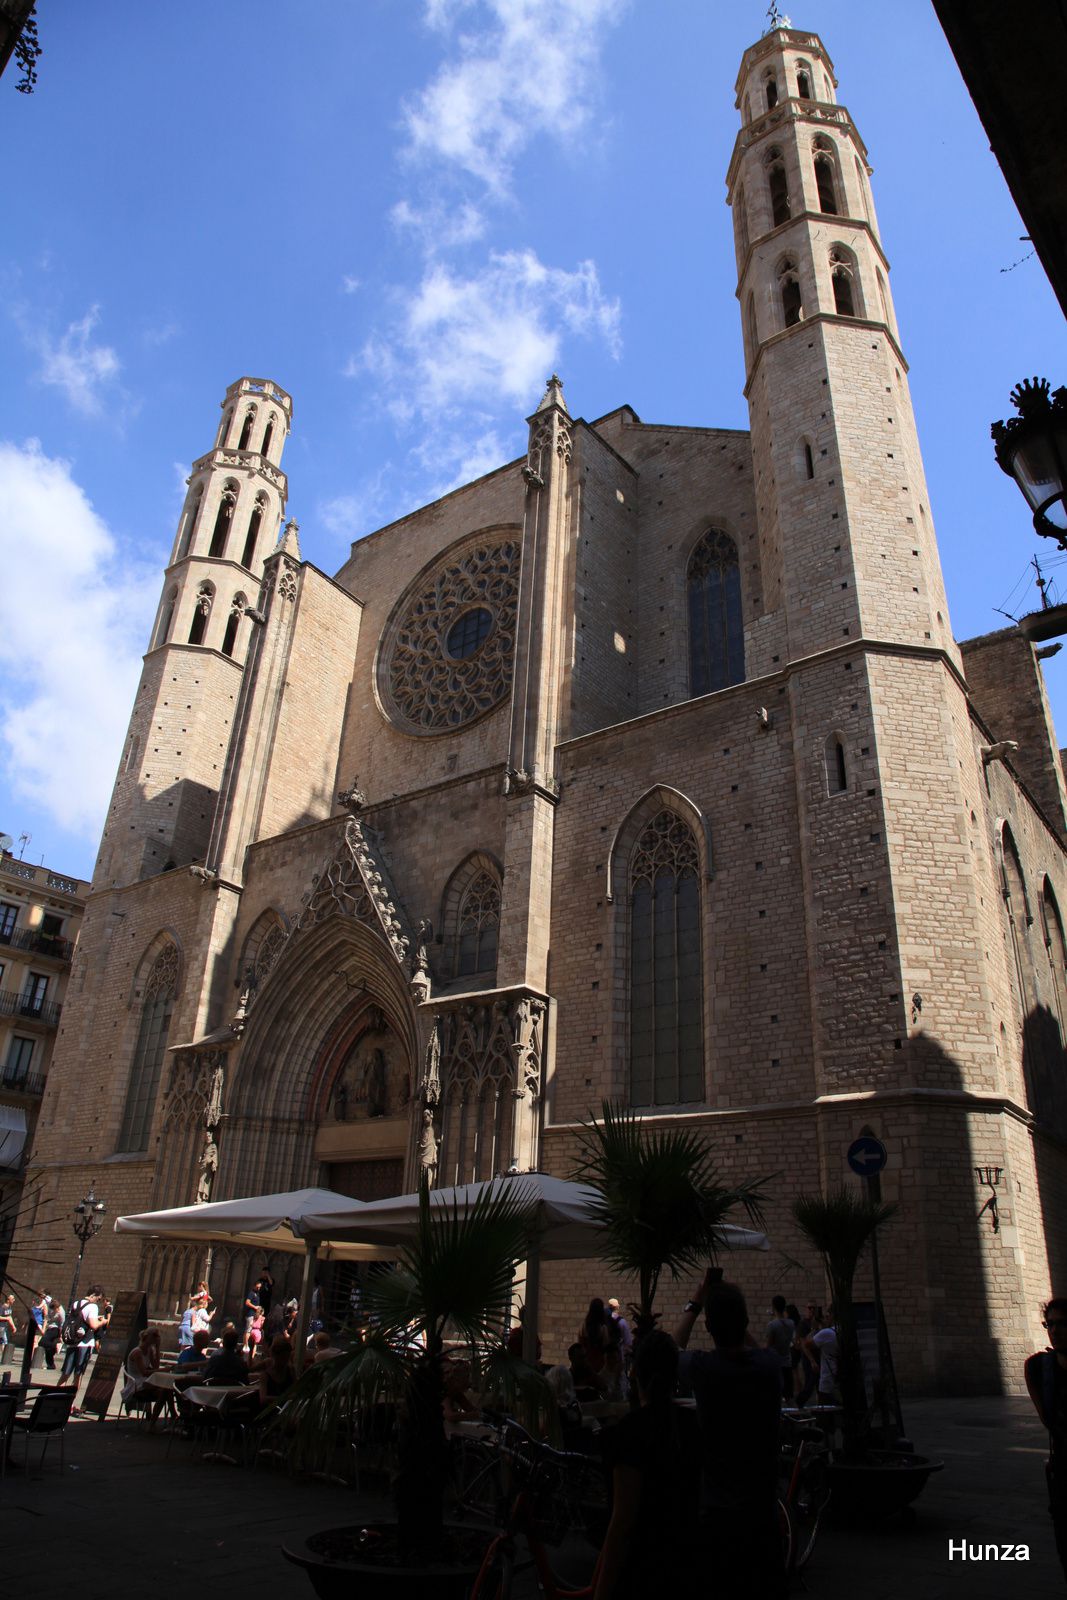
x=446, y=655
x=489, y=1057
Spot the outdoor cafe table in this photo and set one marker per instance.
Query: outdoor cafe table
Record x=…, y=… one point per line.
x=214, y=1396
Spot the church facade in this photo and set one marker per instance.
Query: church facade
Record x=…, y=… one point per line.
x=644, y=768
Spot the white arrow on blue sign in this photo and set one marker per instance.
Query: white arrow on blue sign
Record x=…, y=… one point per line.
x=866, y=1156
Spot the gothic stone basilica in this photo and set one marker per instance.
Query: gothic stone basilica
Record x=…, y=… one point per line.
x=645, y=768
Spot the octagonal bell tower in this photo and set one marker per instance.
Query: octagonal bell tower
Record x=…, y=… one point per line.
x=170, y=772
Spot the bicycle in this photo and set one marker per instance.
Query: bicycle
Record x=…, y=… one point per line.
x=806, y=1460
x=556, y=1493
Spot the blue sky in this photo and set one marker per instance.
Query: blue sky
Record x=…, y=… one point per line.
x=408, y=212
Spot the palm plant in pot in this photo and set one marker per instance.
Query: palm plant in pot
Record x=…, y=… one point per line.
x=453, y=1278
x=841, y=1225
x=660, y=1200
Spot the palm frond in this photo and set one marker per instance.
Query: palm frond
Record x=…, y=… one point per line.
x=660, y=1198
x=839, y=1225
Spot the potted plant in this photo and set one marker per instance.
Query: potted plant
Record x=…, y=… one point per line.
x=865, y=1479
x=662, y=1203
x=455, y=1275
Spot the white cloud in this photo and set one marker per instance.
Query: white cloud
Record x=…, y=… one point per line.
x=488, y=339
x=439, y=227
x=528, y=71
x=349, y=284
x=72, y=363
x=349, y=516
x=73, y=622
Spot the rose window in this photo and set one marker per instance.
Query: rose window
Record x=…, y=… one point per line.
x=446, y=655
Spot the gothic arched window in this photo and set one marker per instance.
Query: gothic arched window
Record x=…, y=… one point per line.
x=246, y=430
x=789, y=288
x=479, y=926
x=255, y=522
x=666, y=987
x=770, y=89
x=205, y=597
x=861, y=184
x=716, y=625
x=268, y=435
x=825, y=176
x=224, y=429
x=192, y=511
x=753, y=330
x=842, y=277
x=167, y=618
x=742, y=222
x=804, y=80
x=156, y=1007
x=223, y=520
x=233, y=622
x=836, y=767
x=1056, y=946
x=778, y=185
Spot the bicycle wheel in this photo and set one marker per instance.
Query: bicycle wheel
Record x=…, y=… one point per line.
x=496, y=1572
x=813, y=1492
x=480, y=1484
x=785, y=1535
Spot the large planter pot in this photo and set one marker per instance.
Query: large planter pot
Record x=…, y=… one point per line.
x=362, y=1559
x=880, y=1485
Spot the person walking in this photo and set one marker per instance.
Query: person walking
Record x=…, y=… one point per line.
x=779, y=1339
x=822, y=1349
x=738, y=1391
x=1046, y=1383
x=84, y=1322
x=8, y=1325
x=52, y=1334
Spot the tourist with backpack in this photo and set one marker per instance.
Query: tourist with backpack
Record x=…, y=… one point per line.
x=85, y=1320
x=1046, y=1381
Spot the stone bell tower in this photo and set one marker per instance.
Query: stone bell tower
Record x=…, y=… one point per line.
x=170, y=772
x=833, y=434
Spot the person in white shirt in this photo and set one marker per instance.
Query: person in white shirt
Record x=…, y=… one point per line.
x=822, y=1347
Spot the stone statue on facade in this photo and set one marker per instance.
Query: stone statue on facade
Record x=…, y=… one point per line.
x=428, y=1148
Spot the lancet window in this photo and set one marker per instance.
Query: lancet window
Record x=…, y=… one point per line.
x=666, y=987
x=233, y=622
x=825, y=176
x=246, y=428
x=156, y=1007
x=205, y=597
x=716, y=624
x=255, y=522
x=789, y=289
x=479, y=926
x=778, y=186
x=842, y=277
x=223, y=520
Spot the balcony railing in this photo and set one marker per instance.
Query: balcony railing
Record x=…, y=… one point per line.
x=21, y=1005
x=37, y=943
x=23, y=1082
x=42, y=875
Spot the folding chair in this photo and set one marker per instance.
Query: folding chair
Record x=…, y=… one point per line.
x=9, y=1404
x=49, y=1416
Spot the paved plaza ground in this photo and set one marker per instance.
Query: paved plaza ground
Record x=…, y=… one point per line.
x=127, y=1518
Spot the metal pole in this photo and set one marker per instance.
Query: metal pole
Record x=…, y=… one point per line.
x=879, y=1326
x=303, y=1315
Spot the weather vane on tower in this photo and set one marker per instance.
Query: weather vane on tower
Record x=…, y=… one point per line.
x=776, y=18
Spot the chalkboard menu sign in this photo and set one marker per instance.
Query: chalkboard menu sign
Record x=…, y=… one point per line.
x=129, y=1317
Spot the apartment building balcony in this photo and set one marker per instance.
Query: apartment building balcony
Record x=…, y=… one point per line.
x=26, y=1010
x=28, y=1084
x=49, y=946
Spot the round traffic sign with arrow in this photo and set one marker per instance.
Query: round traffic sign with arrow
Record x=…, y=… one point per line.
x=866, y=1156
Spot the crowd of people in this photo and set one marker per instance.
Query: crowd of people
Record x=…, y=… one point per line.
x=58, y=1333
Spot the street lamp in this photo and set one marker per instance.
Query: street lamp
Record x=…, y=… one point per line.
x=1032, y=449
x=88, y=1220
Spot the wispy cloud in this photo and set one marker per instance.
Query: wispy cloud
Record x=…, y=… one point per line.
x=488, y=337
x=70, y=650
x=526, y=71
x=83, y=370
x=349, y=285
x=348, y=517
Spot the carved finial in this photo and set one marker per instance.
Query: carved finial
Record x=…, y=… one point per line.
x=553, y=395
x=289, y=542
x=353, y=799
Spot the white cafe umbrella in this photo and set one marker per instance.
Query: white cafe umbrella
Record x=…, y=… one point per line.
x=565, y=1214
x=264, y=1222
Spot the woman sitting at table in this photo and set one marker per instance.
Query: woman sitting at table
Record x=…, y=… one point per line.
x=274, y=1373
x=141, y=1363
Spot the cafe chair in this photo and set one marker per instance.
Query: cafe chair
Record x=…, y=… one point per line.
x=9, y=1404
x=49, y=1416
